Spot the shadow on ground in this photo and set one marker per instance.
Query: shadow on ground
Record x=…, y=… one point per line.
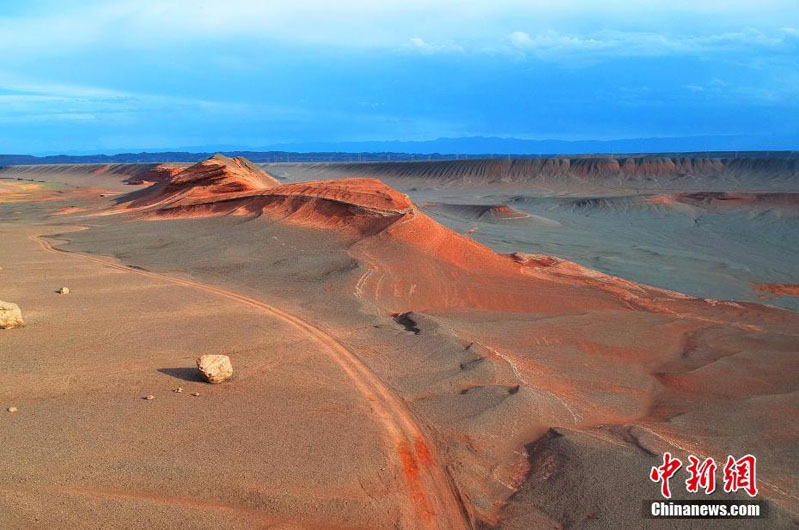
x=184, y=373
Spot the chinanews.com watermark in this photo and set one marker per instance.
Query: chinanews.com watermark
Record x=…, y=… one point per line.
x=700, y=509
x=738, y=474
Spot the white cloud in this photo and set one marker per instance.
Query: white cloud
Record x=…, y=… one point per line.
x=552, y=44
x=420, y=45
x=32, y=100
x=63, y=25
x=717, y=89
x=521, y=40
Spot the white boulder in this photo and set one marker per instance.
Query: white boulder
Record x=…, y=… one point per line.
x=10, y=316
x=215, y=368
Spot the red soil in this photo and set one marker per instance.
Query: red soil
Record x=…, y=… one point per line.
x=423, y=452
x=410, y=467
x=665, y=200
x=779, y=289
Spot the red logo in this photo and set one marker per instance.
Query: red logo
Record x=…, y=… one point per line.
x=739, y=474
x=702, y=475
x=665, y=472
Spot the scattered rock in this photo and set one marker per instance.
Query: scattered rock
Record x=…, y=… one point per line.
x=63, y=290
x=12, y=409
x=195, y=394
x=149, y=397
x=215, y=368
x=10, y=316
x=178, y=390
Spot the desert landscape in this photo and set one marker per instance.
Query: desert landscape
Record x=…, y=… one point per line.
x=506, y=343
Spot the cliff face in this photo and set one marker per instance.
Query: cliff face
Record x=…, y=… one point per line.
x=594, y=169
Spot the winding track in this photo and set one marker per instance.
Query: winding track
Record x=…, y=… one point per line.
x=436, y=503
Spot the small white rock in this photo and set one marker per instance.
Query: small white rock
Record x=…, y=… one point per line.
x=63, y=290
x=149, y=397
x=12, y=409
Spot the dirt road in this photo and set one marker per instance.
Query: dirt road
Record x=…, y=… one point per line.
x=436, y=503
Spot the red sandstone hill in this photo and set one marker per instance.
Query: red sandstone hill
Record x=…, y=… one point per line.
x=220, y=174
x=400, y=241
x=205, y=181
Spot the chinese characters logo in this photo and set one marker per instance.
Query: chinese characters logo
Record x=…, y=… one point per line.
x=740, y=474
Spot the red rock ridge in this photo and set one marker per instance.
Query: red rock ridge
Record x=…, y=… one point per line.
x=206, y=181
x=220, y=174
x=415, y=263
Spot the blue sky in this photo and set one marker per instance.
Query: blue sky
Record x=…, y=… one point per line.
x=101, y=76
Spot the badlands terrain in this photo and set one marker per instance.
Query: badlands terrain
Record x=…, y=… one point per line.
x=477, y=344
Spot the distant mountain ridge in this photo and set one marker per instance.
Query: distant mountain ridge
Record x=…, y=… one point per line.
x=382, y=156
x=444, y=149
x=484, y=146
x=185, y=156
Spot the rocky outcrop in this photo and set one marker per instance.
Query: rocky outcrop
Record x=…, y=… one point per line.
x=220, y=174
x=218, y=177
x=10, y=316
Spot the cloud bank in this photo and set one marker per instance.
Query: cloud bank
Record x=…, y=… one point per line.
x=160, y=73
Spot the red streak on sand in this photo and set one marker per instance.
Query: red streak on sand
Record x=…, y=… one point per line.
x=665, y=200
x=410, y=467
x=67, y=211
x=423, y=452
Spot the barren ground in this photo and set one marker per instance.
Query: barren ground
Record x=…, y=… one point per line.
x=382, y=379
